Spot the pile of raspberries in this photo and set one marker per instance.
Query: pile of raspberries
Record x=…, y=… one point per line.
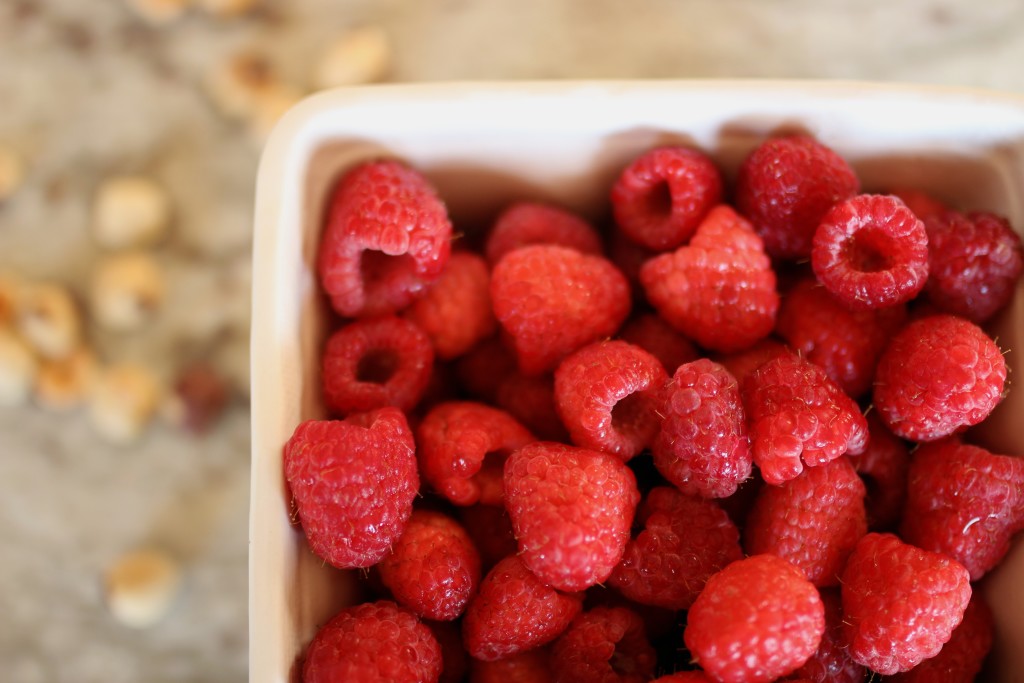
x=720, y=441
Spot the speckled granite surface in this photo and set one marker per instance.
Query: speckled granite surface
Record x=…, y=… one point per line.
x=87, y=90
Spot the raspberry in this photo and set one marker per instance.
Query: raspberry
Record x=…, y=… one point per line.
x=387, y=238
x=607, y=396
x=526, y=667
x=514, y=611
x=797, y=413
x=813, y=520
x=921, y=203
x=553, y=300
x=743, y=363
x=455, y=661
x=964, y=502
x=463, y=447
x=377, y=641
x=831, y=663
x=871, y=251
x=491, y=530
x=604, y=645
x=484, y=368
x=685, y=540
x=961, y=658
x=702, y=446
x=629, y=258
x=433, y=568
x=571, y=511
x=531, y=400
x=974, y=263
x=456, y=312
x=900, y=603
x=786, y=186
x=755, y=621
x=353, y=483
x=377, y=362
x=526, y=223
x=658, y=338
x=720, y=289
x=883, y=468
x=661, y=198
x=845, y=343
x=939, y=374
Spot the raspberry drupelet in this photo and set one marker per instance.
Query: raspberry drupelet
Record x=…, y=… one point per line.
x=387, y=239
x=526, y=223
x=960, y=659
x=604, y=645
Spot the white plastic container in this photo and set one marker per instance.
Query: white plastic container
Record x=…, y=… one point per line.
x=486, y=144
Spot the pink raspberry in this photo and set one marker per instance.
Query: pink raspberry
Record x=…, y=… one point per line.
x=755, y=621
x=433, y=568
x=553, y=300
x=604, y=645
x=741, y=364
x=661, y=198
x=481, y=371
x=883, y=468
x=964, y=502
x=959, y=660
x=831, y=663
x=526, y=223
x=531, y=400
x=514, y=611
x=900, y=603
x=719, y=290
x=797, y=417
x=491, y=530
x=786, y=186
x=702, y=446
x=463, y=447
x=938, y=375
x=685, y=540
x=387, y=239
x=330, y=465
x=607, y=394
x=375, y=641
x=377, y=362
x=871, y=251
x=658, y=338
x=813, y=520
x=571, y=511
x=974, y=263
x=456, y=312
x=846, y=344
x=526, y=667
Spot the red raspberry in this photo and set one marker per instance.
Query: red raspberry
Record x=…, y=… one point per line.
x=433, y=568
x=491, y=530
x=921, y=203
x=797, y=413
x=658, y=338
x=526, y=223
x=959, y=660
x=607, y=394
x=463, y=447
x=526, y=667
x=871, y=251
x=845, y=343
x=456, y=312
x=387, y=238
x=331, y=465
x=900, y=603
x=531, y=400
x=661, y=198
x=883, y=468
x=702, y=446
x=455, y=661
x=743, y=363
x=937, y=375
x=720, y=289
x=484, y=368
x=685, y=540
x=813, y=520
x=571, y=510
x=604, y=645
x=377, y=362
x=755, y=621
x=514, y=612
x=375, y=641
x=974, y=263
x=553, y=300
x=831, y=663
x=785, y=187
x=964, y=502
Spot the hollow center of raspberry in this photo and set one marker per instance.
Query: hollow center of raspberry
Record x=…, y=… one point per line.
x=868, y=252
x=377, y=366
x=378, y=269
x=659, y=200
x=632, y=415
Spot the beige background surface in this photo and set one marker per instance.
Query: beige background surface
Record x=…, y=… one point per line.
x=86, y=89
